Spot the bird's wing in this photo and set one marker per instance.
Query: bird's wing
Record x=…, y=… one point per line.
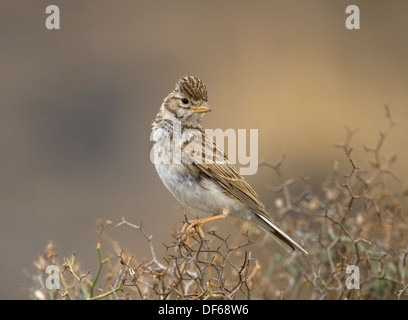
x=214, y=163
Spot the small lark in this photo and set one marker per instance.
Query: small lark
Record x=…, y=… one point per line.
x=200, y=175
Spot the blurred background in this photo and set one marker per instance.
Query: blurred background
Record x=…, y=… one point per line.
x=76, y=106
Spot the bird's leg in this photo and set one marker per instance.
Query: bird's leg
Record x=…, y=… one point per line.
x=193, y=226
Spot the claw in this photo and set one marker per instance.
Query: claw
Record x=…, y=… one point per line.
x=190, y=228
x=194, y=226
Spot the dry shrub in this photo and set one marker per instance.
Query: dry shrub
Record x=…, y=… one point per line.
x=200, y=268
x=355, y=219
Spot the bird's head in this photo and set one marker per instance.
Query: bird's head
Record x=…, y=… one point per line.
x=187, y=102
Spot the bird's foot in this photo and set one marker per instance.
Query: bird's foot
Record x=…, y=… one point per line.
x=192, y=228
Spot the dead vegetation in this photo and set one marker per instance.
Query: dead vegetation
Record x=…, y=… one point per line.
x=356, y=219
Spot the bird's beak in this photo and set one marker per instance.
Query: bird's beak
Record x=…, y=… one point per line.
x=201, y=109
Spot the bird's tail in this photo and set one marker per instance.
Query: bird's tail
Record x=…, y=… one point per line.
x=283, y=239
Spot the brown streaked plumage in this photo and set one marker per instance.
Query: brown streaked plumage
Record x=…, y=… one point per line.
x=214, y=187
x=192, y=87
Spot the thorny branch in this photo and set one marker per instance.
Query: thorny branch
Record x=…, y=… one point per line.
x=154, y=260
x=356, y=218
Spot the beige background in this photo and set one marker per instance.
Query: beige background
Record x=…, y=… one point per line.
x=76, y=105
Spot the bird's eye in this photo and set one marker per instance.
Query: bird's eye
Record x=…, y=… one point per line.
x=185, y=101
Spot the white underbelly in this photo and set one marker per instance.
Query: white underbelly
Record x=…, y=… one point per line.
x=210, y=199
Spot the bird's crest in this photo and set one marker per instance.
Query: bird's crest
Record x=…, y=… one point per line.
x=192, y=86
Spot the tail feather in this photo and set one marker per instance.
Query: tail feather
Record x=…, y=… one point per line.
x=282, y=238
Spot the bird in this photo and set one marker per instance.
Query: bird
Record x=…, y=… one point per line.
x=179, y=153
